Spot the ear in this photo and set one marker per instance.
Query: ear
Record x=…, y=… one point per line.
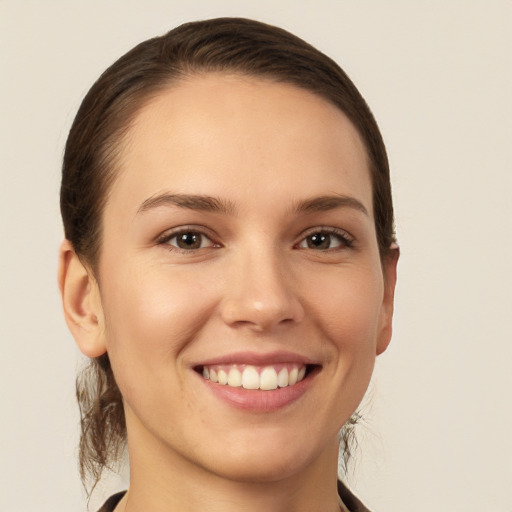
x=81, y=302
x=389, y=265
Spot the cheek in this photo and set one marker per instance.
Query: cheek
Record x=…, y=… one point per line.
x=346, y=308
x=348, y=313
x=349, y=307
x=150, y=317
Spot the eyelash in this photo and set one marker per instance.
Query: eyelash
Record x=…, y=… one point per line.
x=186, y=230
x=346, y=240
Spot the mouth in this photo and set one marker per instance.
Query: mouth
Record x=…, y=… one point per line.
x=256, y=377
x=258, y=383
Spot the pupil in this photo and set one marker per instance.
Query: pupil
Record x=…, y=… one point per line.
x=319, y=241
x=189, y=241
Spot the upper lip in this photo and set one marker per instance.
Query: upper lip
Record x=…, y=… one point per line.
x=257, y=359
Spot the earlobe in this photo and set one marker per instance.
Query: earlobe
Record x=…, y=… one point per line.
x=81, y=302
x=389, y=266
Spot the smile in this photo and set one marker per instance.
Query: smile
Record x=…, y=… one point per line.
x=258, y=383
x=265, y=378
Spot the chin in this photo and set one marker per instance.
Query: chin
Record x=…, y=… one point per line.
x=278, y=459
x=261, y=468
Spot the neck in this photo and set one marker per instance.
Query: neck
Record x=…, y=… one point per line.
x=162, y=480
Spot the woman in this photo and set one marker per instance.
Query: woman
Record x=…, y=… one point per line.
x=229, y=268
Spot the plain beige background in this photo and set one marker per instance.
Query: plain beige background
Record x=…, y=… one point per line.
x=438, y=76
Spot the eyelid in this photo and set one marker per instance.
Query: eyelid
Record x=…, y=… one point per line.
x=345, y=236
x=169, y=234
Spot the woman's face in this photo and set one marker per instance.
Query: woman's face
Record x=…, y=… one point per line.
x=239, y=244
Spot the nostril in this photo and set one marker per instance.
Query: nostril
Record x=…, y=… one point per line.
x=262, y=315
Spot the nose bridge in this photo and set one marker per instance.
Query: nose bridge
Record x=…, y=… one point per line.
x=260, y=291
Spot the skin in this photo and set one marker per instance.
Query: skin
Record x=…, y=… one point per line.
x=260, y=148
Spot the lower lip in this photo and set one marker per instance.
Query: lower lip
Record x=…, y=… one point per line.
x=257, y=400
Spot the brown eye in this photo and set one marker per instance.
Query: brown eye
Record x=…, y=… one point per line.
x=324, y=240
x=190, y=241
x=319, y=241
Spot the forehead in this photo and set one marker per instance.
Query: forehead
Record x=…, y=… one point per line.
x=217, y=130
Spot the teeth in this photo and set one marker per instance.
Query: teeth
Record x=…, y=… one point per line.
x=223, y=377
x=268, y=379
x=234, y=378
x=292, y=378
x=282, y=378
x=250, y=377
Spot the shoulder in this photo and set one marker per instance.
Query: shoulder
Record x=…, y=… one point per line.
x=112, y=502
x=350, y=501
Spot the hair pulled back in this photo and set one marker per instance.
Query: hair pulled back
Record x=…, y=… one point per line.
x=95, y=143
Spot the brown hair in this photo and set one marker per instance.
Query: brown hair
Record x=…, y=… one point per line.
x=231, y=45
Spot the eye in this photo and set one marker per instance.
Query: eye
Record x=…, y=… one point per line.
x=187, y=240
x=324, y=239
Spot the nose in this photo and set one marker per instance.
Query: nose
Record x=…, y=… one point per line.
x=260, y=294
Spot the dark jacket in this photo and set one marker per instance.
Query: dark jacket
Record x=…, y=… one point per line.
x=351, y=502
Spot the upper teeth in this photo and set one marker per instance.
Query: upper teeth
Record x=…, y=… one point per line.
x=253, y=377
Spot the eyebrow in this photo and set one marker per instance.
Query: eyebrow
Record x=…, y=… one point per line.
x=217, y=205
x=192, y=202
x=325, y=203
